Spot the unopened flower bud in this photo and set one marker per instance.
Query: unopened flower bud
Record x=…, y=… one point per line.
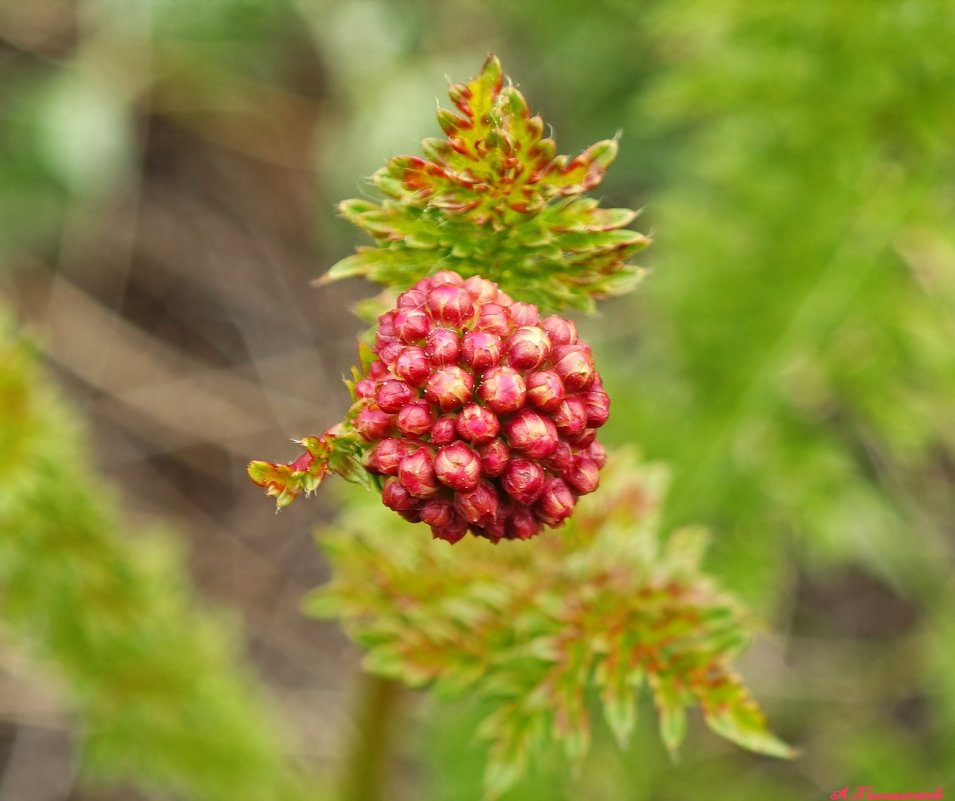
x=413, y=366
x=478, y=505
x=545, y=390
x=386, y=326
x=570, y=418
x=452, y=304
x=442, y=347
x=437, y=512
x=458, y=466
x=528, y=347
x=415, y=418
x=523, y=480
x=392, y=394
x=482, y=290
x=597, y=406
x=416, y=474
x=378, y=370
x=556, y=502
x=389, y=351
x=365, y=388
x=575, y=366
x=527, y=431
x=446, y=277
x=495, y=456
x=449, y=388
x=396, y=497
x=584, y=439
x=522, y=525
x=372, y=423
x=453, y=531
x=561, y=459
x=387, y=455
x=597, y=453
x=523, y=313
x=583, y=475
x=412, y=299
x=444, y=431
x=494, y=319
x=481, y=350
x=411, y=325
x=477, y=424
x=560, y=331
x=503, y=390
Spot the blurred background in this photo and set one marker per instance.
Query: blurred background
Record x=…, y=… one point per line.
x=168, y=177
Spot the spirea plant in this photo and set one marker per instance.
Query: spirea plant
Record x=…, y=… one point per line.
x=475, y=408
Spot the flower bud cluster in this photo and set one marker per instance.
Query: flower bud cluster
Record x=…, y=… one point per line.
x=479, y=415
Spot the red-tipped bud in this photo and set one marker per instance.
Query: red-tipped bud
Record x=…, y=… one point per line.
x=575, y=366
x=583, y=475
x=437, y=512
x=477, y=424
x=449, y=388
x=416, y=474
x=523, y=313
x=545, y=390
x=412, y=299
x=372, y=423
x=597, y=453
x=443, y=347
x=387, y=455
x=503, y=390
x=560, y=331
x=494, y=319
x=396, y=497
x=522, y=525
x=413, y=366
x=597, y=406
x=479, y=505
x=536, y=436
x=561, y=459
x=458, y=466
x=411, y=325
x=528, y=347
x=444, y=431
x=415, y=419
x=570, y=417
x=453, y=531
x=446, y=277
x=495, y=456
x=450, y=303
x=556, y=502
x=481, y=350
x=524, y=481
x=584, y=439
x=365, y=388
x=391, y=395
x=482, y=290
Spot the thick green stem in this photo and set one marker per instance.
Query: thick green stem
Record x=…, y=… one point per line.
x=367, y=757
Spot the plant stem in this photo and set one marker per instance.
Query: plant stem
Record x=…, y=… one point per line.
x=367, y=757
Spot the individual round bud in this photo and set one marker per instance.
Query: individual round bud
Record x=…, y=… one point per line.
x=527, y=431
x=597, y=453
x=477, y=424
x=528, y=347
x=372, y=423
x=446, y=277
x=416, y=474
x=457, y=466
x=545, y=390
x=597, y=406
x=449, y=388
x=570, y=418
x=584, y=439
x=413, y=366
x=583, y=475
x=365, y=388
x=495, y=456
x=494, y=319
x=396, y=497
x=482, y=290
x=481, y=350
x=523, y=481
x=493, y=530
x=442, y=346
x=503, y=390
x=392, y=394
x=556, y=502
x=411, y=515
x=444, y=431
x=560, y=331
x=479, y=505
x=387, y=455
x=522, y=525
x=523, y=313
x=503, y=298
x=415, y=419
x=378, y=370
x=412, y=299
x=389, y=351
x=411, y=325
x=575, y=366
x=561, y=459
x=437, y=512
x=453, y=531
x=452, y=304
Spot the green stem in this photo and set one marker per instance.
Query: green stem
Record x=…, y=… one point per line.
x=367, y=756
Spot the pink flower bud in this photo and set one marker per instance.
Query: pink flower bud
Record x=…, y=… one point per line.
x=527, y=431
x=446, y=277
x=481, y=350
x=597, y=453
x=545, y=390
x=523, y=313
x=386, y=326
x=387, y=455
x=449, y=388
x=365, y=388
x=597, y=406
x=575, y=366
x=478, y=505
x=453, y=531
x=482, y=290
x=378, y=370
x=477, y=424
x=411, y=325
x=584, y=439
x=561, y=459
x=389, y=351
x=503, y=390
x=556, y=503
x=453, y=304
x=522, y=525
x=528, y=347
x=495, y=456
x=411, y=515
x=392, y=394
x=416, y=474
x=415, y=419
x=523, y=481
x=583, y=475
x=442, y=347
x=570, y=417
x=494, y=530
x=503, y=298
x=437, y=512
x=458, y=466
x=372, y=423
x=396, y=497
x=412, y=299
x=444, y=431
x=413, y=366
x=494, y=319
x=560, y=331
